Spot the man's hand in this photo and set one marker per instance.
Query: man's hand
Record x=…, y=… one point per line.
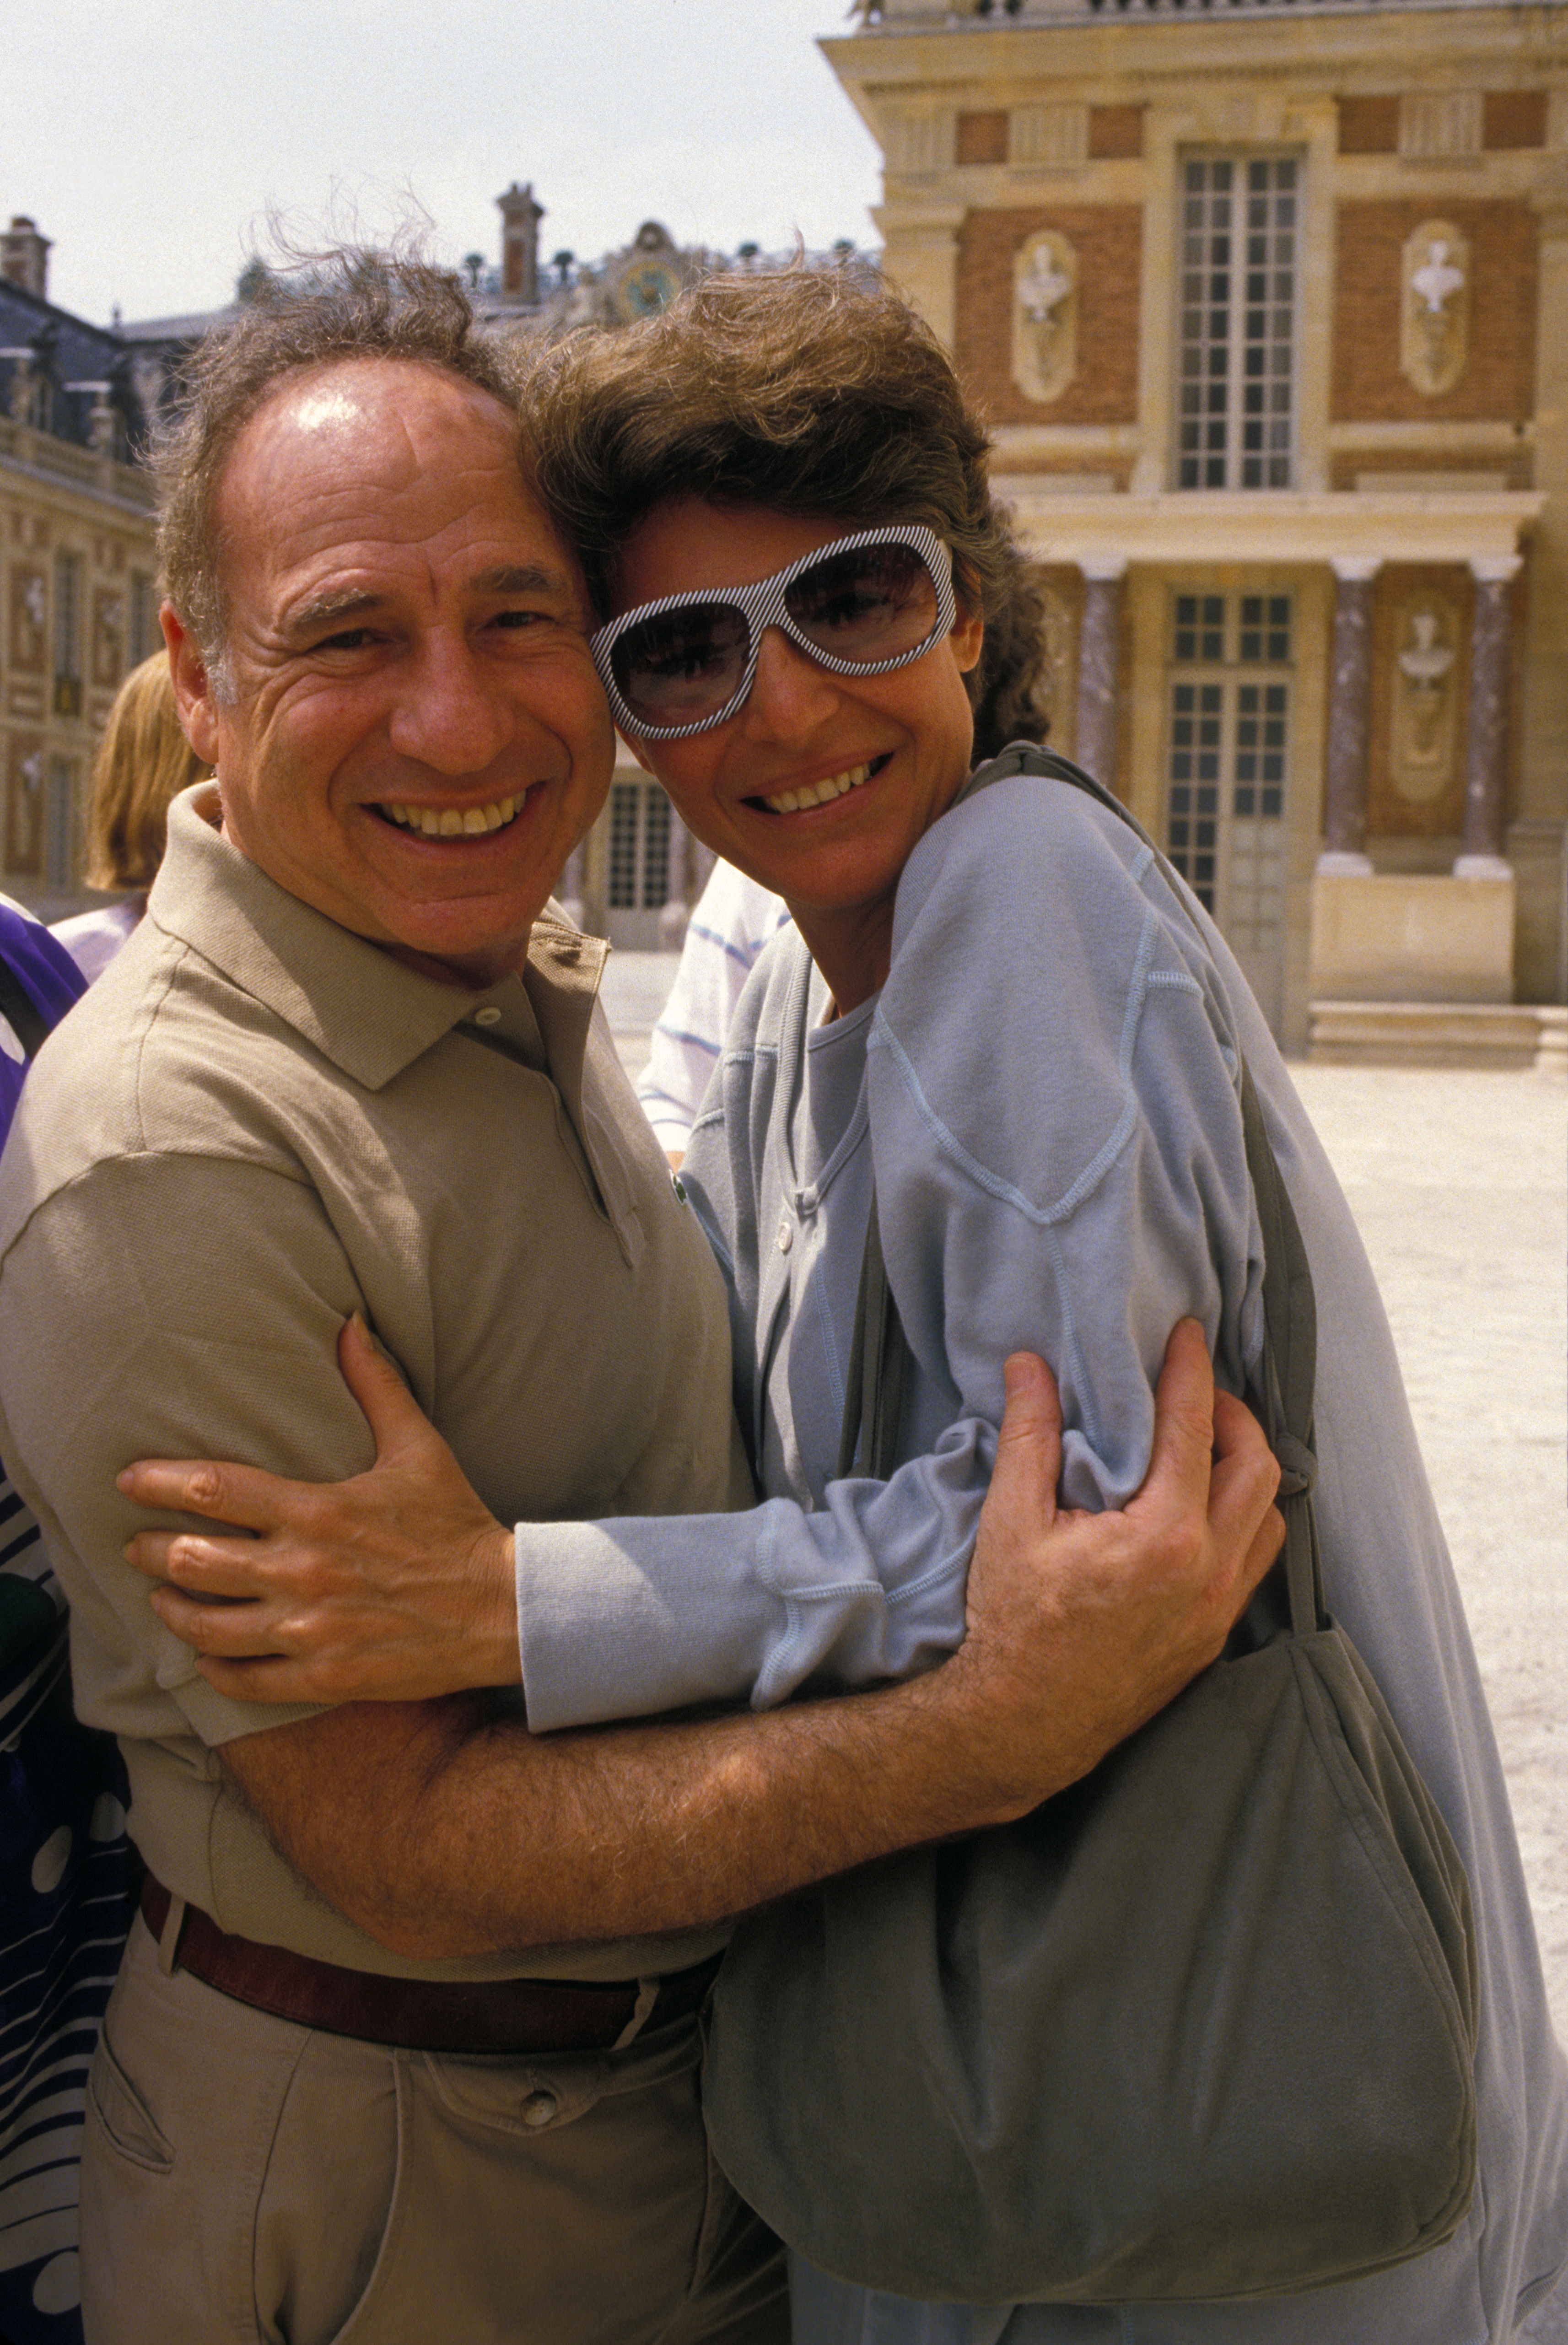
x=443, y=1832
x=396, y=1586
x=1082, y=1626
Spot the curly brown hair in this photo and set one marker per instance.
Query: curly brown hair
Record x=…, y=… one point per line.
x=353, y=303
x=809, y=391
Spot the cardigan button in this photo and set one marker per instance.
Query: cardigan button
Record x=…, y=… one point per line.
x=787, y=1237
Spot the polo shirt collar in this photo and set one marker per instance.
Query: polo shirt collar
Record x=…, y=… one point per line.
x=368, y=1012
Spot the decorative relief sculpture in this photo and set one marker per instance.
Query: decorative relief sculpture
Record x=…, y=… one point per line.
x=24, y=825
x=916, y=141
x=1044, y=316
x=1049, y=137
x=108, y=640
x=23, y=398
x=28, y=609
x=1421, y=765
x=1434, y=320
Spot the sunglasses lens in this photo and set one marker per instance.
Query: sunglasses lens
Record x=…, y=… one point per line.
x=681, y=665
x=869, y=604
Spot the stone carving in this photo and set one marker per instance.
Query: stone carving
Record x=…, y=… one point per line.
x=1438, y=125
x=28, y=609
x=108, y=638
x=1049, y=137
x=1044, y=316
x=1434, y=320
x=24, y=814
x=24, y=392
x=915, y=141
x=1421, y=765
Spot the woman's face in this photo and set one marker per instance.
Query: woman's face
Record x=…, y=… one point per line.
x=906, y=734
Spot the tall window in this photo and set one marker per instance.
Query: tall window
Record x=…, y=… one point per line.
x=1227, y=768
x=67, y=635
x=1235, y=420
x=639, y=847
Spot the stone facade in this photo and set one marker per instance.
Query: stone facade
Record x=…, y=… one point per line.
x=1304, y=483
x=78, y=596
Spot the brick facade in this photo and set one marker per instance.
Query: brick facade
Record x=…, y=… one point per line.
x=1512, y=117
x=1116, y=132
x=982, y=137
x=1108, y=239
x=1499, y=377
x=1369, y=126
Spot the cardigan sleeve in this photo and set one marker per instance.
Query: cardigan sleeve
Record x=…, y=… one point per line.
x=1059, y=1166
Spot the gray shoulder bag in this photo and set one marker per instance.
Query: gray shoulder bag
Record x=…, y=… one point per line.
x=1201, y=2027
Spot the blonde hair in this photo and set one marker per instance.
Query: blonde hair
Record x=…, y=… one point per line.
x=142, y=762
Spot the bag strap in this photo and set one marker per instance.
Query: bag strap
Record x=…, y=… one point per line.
x=880, y=1356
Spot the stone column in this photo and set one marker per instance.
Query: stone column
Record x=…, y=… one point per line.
x=677, y=909
x=1487, y=737
x=1099, y=643
x=569, y=895
x=1349, y=720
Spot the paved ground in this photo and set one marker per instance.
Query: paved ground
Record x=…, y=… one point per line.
x=1458, y=1183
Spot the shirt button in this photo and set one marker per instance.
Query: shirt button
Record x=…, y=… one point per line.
x=787, y=1237
x=538, y=2109
x=489, y=1016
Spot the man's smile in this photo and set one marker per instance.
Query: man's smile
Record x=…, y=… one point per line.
x=457, y=822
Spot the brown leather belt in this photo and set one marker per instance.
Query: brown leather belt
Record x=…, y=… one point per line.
x=511, y=2016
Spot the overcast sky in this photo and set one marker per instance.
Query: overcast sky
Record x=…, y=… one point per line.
x=148, y=138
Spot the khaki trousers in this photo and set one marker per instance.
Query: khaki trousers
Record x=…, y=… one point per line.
x=245, y=2178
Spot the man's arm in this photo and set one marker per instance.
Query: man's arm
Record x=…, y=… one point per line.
x=443, y=1833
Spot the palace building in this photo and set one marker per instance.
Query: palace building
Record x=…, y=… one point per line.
x=78, y=573
x=1267, y=302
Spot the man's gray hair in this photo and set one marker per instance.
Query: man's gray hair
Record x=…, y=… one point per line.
x=351, y=303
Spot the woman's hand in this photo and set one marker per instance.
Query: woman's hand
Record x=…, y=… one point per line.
x=393, y=1587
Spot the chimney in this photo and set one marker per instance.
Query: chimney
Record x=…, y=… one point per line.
x=24, y=256
x=520, y=217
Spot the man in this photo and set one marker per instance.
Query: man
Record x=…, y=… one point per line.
x=407, y=2048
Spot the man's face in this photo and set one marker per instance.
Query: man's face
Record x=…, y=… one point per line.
x=411, y=737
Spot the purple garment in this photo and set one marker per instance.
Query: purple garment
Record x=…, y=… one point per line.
x=50, y=980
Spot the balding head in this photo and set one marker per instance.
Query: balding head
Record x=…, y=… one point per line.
x=357, y=304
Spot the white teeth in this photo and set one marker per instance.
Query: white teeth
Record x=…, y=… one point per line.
x=452, y=822
x=818, y=793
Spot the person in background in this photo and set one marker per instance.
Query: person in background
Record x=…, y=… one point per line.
x=735, y=916
x=143, y=761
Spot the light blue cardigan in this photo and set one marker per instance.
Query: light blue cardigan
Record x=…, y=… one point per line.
x=1046, y=1087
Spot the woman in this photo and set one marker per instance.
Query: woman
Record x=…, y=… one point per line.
x=1031, y=1037
x=143, y=762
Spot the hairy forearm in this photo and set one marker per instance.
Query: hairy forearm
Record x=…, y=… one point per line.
x=441, y=1833
x=443, y=1830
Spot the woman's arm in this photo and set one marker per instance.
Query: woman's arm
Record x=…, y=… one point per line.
x=1062, y=1173
x=397, y=1586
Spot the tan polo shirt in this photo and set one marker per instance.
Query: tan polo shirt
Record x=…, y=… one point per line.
x=255, y=1122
